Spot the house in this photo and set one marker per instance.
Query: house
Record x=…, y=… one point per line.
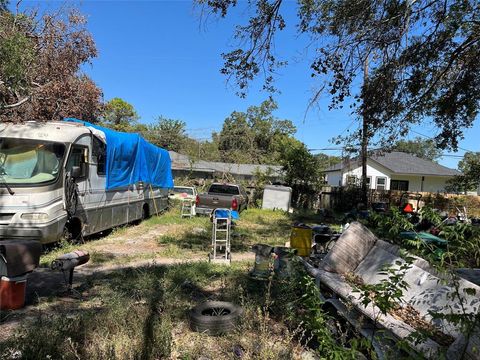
x=392, y=171
x=183, y=165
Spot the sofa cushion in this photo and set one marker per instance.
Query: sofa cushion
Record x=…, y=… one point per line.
x=349, y=250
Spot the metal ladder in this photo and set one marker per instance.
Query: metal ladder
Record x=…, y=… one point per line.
x=221, y=231
x=187, y=208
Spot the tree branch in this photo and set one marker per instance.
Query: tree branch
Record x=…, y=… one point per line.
x=17, y=104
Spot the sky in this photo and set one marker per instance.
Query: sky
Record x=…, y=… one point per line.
x=164, y=58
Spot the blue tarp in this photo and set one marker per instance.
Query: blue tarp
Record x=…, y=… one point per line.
x=226, y=213
x=131, y=159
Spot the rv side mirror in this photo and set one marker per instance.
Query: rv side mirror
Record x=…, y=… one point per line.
x=76, y=172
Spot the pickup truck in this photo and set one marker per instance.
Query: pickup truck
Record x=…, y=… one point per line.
x=219, y=195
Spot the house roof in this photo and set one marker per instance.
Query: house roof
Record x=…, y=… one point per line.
x=402, y=163
x=183, y=162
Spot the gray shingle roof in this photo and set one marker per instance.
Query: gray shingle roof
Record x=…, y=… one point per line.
x=404, y=163
x=182, y=162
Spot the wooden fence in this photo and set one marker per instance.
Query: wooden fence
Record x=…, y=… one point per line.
x=341, y=198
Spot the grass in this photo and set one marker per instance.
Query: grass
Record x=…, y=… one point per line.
x=142, y=312
x=135, y=313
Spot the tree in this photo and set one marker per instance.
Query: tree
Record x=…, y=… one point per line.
x=325, y=161
x=167, y=133
x=40, y=61
x=425, y=149
x=302, y=171
x=4, y=5
x=469, y=180
x=418, y=60
x=120, y=115
x=254, y=136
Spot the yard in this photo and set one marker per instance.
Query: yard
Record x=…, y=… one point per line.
x=132, y=299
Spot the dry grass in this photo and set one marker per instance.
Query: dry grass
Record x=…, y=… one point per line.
x=141, y=312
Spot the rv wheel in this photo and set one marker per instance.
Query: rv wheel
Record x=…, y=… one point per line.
x=145, y=212
x=72, y=231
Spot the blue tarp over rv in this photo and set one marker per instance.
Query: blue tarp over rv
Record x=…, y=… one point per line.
x=131, y=159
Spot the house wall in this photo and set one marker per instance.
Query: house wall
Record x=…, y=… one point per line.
x=430, y=184
x=372, y=171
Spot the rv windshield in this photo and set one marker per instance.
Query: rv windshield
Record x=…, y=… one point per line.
x=26, y=161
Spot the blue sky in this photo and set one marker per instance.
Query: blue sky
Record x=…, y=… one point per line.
x=161, y=58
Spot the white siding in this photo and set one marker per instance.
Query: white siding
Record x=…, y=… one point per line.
x=374, y=170
x=430, y=183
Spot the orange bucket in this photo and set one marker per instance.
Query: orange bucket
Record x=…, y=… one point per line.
x=12, y=292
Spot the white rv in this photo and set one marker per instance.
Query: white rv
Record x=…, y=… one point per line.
x=67, y=179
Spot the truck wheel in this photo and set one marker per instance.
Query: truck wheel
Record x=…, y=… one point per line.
x=215, y=317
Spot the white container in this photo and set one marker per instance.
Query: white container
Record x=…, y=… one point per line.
x=277, y=197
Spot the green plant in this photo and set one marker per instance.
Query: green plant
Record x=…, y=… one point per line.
x=390, y=225
x=316, y=322
x=387, y=294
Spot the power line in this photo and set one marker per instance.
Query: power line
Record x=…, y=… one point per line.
x=431, y=138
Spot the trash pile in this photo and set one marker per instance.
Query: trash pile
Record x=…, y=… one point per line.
x=438, y=301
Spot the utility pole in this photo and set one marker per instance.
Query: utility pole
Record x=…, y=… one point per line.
x=364, y=148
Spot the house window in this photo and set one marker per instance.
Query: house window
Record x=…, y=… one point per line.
x=369, y=181
x=352, y=180
x=381, y=183
x=401, y=185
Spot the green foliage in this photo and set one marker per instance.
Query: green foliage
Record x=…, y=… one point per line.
x=469, y=180
x=317, y=322
x=254, y=136
x=433, y=74
x=463, y=245
x=260, y=179
x=120, y=115
x=17, y=51
x=299, y=164
x=387, y=294
x=167, y=133
x=422, y=148
x=390, y=225
x=463, y=239
x=4, y=5
x=324, y=161
x=41, y=55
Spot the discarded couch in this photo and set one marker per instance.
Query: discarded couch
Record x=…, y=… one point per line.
x=359, y=253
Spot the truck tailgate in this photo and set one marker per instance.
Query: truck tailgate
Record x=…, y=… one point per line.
x=213, y=201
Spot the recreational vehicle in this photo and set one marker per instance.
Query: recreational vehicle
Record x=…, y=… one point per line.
x=71, y=178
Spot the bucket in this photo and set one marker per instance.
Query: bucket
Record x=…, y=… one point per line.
x=263, y=255
x=301, y=239
x=12, y=292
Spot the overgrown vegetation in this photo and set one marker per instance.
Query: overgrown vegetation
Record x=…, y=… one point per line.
x=138, y=312
x=463, y=239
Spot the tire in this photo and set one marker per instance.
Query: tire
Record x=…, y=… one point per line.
x=215, y=317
